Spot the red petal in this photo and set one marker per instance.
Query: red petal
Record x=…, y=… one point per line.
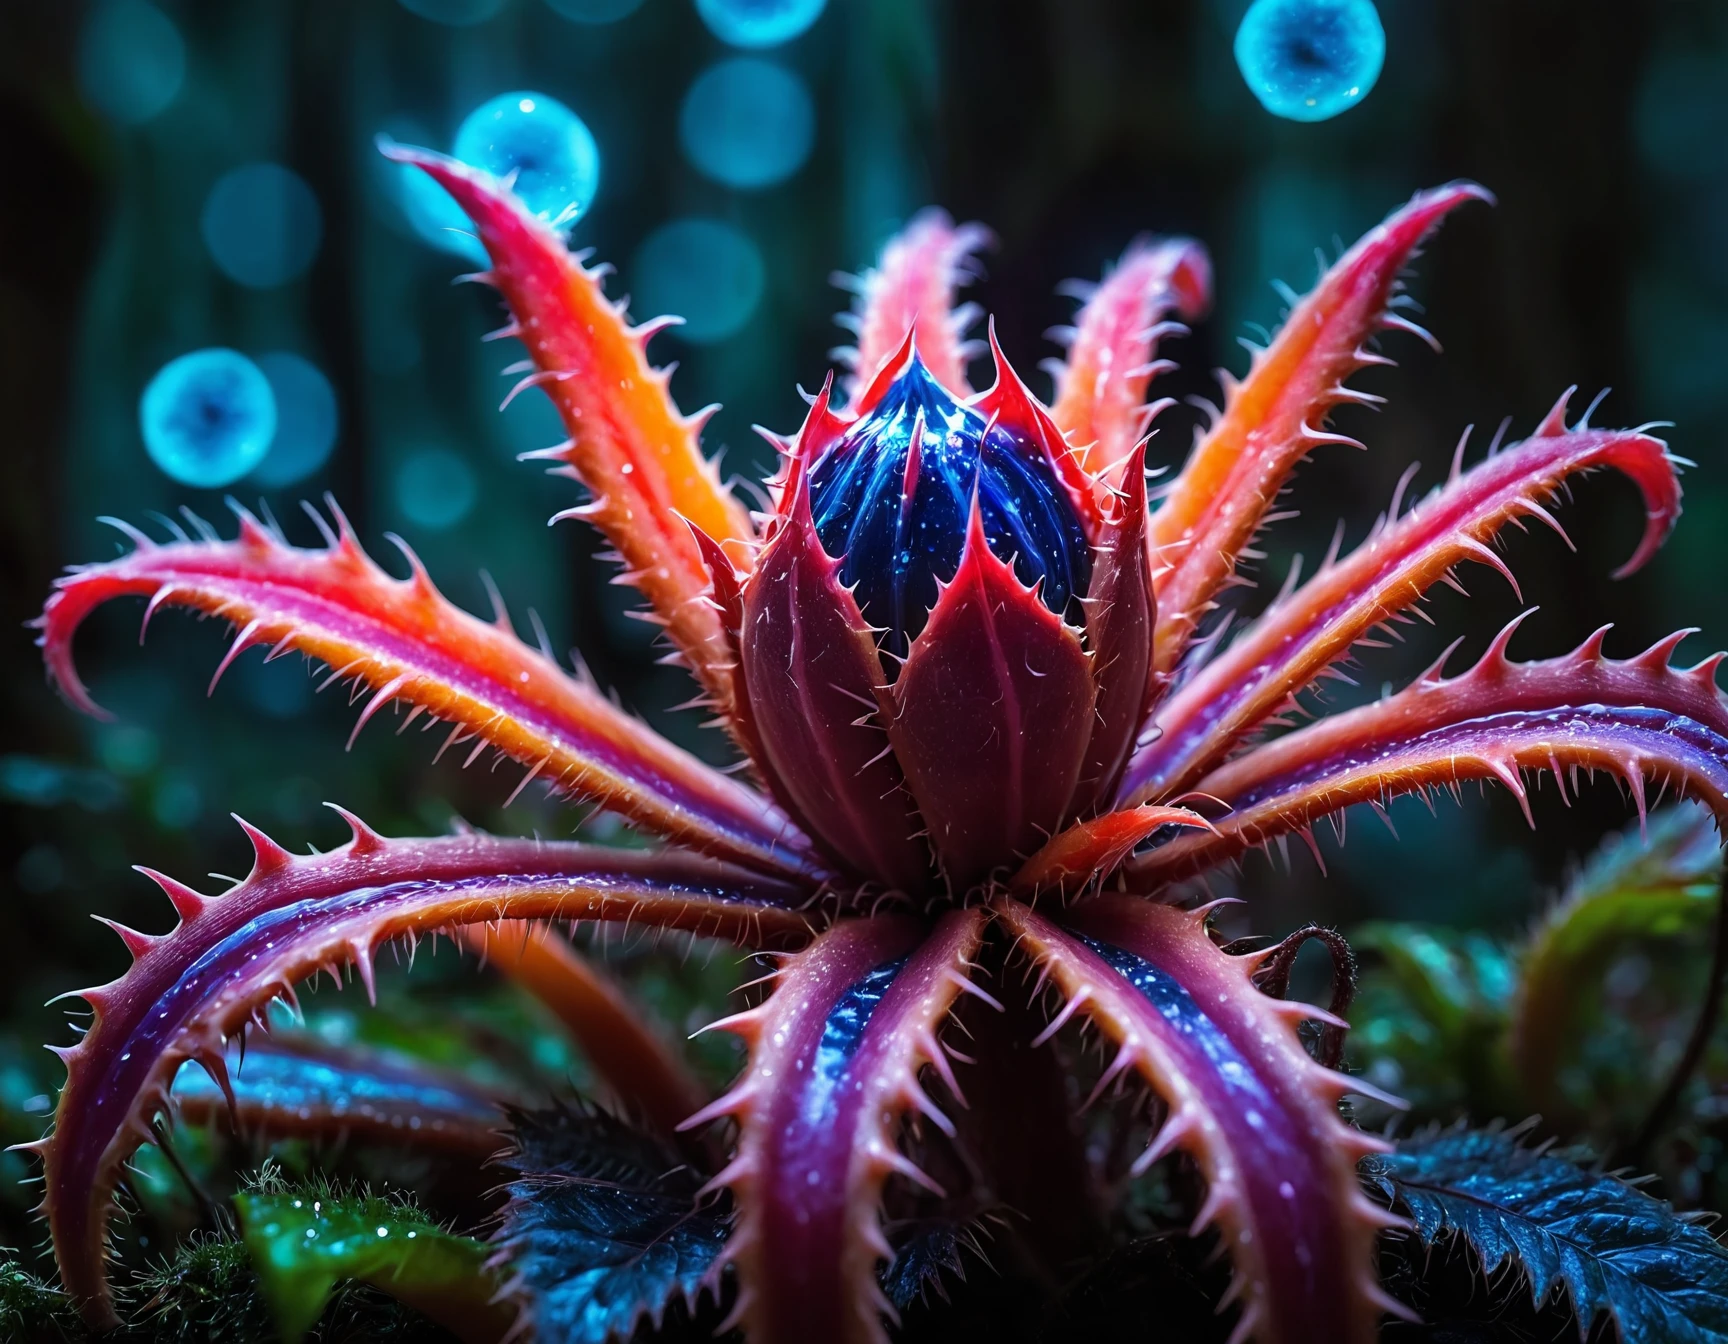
x=811, y=674
x=990, y=717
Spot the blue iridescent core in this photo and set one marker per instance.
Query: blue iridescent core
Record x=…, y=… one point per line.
x=1308, y=60
x=897, y=546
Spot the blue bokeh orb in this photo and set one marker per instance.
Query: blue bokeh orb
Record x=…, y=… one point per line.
x=747, y=123
x=594, y=11
x=759, y=23
x=208, y=417
x=454, y=13
x=305, y=420
x=131, y=60
x=262, y=225
x=435, y=488
x=546, y=145
x=705, y=271
x=1308, y=60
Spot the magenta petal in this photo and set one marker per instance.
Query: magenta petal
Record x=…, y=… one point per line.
x=811, y=675
x=1245, y=1100
x=836, y=1053
x=990, y=717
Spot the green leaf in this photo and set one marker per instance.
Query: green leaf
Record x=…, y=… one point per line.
x=1430, y=1016
x=1612, y=1249
x=304, y=1242
x=1657, y=886
x=603, y=1225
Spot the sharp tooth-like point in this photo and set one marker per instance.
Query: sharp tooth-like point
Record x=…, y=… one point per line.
x=136, y=943
x=267, y=856
x=188, y=904
x=363, y=840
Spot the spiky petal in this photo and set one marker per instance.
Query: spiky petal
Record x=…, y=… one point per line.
x=1300, y=636
x=196, y=986
x=834, y=1062
x=406, y=641
x=1273, y=418
x=1101, y=387
x=1641, y=720
x=629, y=444
x=290, y=1084
x=1245, y=1099
x=911, y=291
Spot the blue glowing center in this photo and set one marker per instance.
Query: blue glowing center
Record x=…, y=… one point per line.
x=899, y=516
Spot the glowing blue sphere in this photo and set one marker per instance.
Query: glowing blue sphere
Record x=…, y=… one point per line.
x=594, y=11
x=262, y=225
x=131, y=60
x=435, y=488
x=703, y=270
x=1308, y=60
x=546, y=145
x=208, y=417
x=759, y=23
x=305, y=420
x=454, y=13
x=747, y=122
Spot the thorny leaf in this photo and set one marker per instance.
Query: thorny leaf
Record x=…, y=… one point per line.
x=603, y=1225
x=1611, y=1248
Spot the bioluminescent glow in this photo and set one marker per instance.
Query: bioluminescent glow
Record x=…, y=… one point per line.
x=305, y=420
x=594, y=11
x=546, y=145
x=435, y=488
x=759, y=23
x=131, y=60
x=705, y=270
x=208, y=417
x=262, y=225
x=1308, y=60
x=747, y=122
x=433, y=215
x=454, y=13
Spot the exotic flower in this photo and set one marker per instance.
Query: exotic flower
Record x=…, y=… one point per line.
x=961, y=658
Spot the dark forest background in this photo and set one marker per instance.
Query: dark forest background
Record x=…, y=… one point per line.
x=1068, y=126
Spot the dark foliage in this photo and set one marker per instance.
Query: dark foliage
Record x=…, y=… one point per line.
x=1611, y=1249
x=604, y=1225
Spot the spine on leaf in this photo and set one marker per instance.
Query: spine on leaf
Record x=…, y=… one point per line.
x=189, y=990
x=406, y=642
x=1274, y=417
x=629, y=443
x=1244, y=1099
x=1304, y=634
x=835, y=1054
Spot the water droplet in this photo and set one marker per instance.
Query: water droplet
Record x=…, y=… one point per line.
x=305, y=420
x=594, y=11
x=705, y=270
x=208, y=417
x=759, y=23
x=131, y=60
x=1308, y=60
x=747, y=122
x=547, y=146
x=435, y=488
x=454, y=13
x=262, y=225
